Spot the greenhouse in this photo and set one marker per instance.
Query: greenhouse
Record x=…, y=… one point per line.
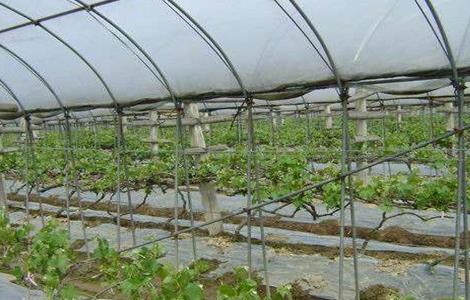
x=250, y=149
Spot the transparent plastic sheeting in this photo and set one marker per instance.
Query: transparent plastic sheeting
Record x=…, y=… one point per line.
x=366, y=39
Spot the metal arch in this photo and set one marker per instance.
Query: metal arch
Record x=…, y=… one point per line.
x=200, y=35
x=13, y=95
x=67, y=128
x=322, y=43
x=54, y=16
x=304, y=34
x=432, y=28
x=461, y=188
x=216, y=45
x=445, y=40
x=251, y=146
x=83, y=59
x=345, y=163
x=35, y=73
x=115, y=26
x=176, y=103
x=142, y=50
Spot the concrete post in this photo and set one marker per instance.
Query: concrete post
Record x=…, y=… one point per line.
x=329, y=117
x=399, y=114
x=449, y=106
x=279, y=119
x=207, y=189
x=361, y=133
x=361, y=125
x=206, y=127
x=125, y=121
x=272, y=118
x=153, y=116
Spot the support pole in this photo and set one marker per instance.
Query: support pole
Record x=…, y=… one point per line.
x=249, y=199
x=3, y=193
x=461, y=193
x=32, y=158
x=122, y=161
x=154, y=116
x=208, y=188
x=345, y=168
x=180, y=153
x=399, y=115
x=258, y=199
x=329, y=117
x=69, y=155
x=450, y=114
x=362, y=134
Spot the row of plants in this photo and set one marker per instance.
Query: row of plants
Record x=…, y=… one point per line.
x=280, y=170
x=47, y=261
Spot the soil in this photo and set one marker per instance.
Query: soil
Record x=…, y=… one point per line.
x=279, y=246
x=391, y=234
x=380, y=292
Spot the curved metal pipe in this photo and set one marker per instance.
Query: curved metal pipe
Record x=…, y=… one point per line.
x=304, y=34
x=13, y=95
x=54, y=16
x=215, y=44
x=90, y=9
x=461, y=189
x=62, y=41
x=345, y=163
x=176, y=102
x=35, y=73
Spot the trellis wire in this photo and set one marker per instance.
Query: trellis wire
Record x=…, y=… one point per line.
x=303, y=190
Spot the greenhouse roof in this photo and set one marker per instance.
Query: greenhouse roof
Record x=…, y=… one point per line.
x=70, y=54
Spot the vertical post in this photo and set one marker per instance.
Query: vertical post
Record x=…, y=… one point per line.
x=3, y=194
x=329, y=117
x=361, y=134
x=273, y=126
x=118, y=182
x=431, y=118
x=206, y=127
x=254, y=159
x=69, y=156
x=31, y=155
x=450, y=111
x=279, y=119
x=154, y=116
x=249, y=199
x=345, y=167
x=180, y=152
x=207, y=189
x=461, y=192
x=124, y=121
x=399, y=115
x=122, y=160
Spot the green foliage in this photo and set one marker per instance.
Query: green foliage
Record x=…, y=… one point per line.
x=142, y=274
x=245, y=287
x=283, y=157
x=13, y=240
x=48, y=259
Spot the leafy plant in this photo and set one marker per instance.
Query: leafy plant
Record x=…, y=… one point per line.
x=245, y=287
